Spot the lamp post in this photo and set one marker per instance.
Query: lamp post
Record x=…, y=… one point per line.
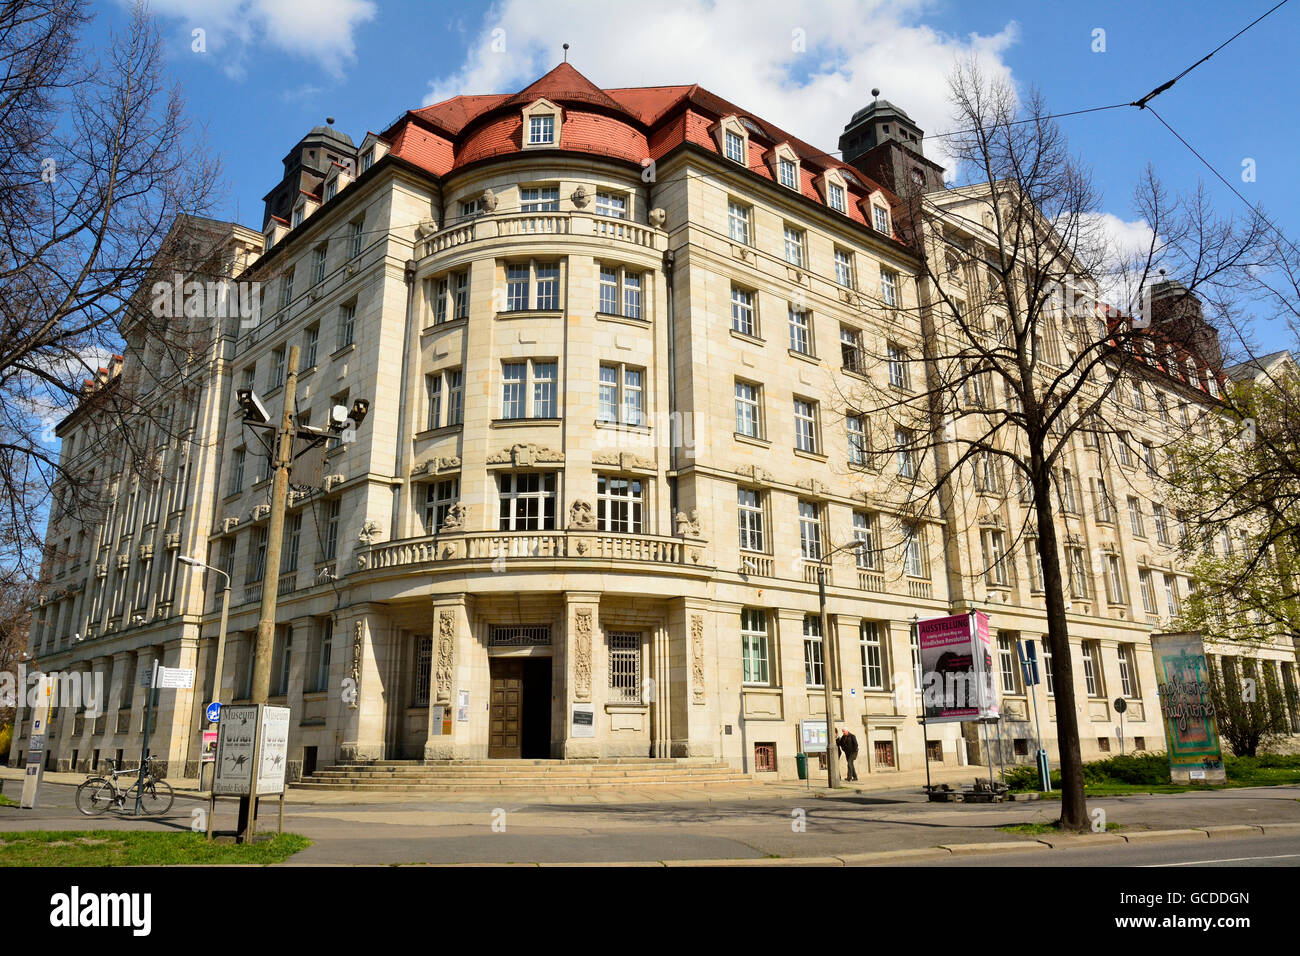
x=832, y=759
x=221, y=643
x=282, y=455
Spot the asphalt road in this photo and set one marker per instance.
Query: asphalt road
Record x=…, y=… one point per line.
x=481, y=830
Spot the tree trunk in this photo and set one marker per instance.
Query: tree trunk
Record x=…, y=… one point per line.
x=1074, y=808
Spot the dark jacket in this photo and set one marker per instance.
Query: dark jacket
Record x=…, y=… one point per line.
x=848, y=744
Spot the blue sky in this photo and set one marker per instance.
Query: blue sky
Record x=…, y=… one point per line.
x=274, y=68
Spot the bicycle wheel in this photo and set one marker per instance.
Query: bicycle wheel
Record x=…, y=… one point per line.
x=95, y=796
x=156, y=798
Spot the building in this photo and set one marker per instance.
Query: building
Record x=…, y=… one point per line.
x=606, y=337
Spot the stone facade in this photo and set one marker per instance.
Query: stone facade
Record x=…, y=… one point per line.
x=543, y=509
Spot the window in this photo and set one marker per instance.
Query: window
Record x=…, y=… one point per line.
x=619, y=504
x=298, y=215
x=1007, y=664
x=539, y=199
x=813, y=668
x=1102, y=503
x=423, y=671
x=257, y=552
x=318, y=265
x=527, y=501
x=742, y=311
x=810, y=530
x=873, y=658
x=856, y=429
x=449, y=296
x=1139, y=402
x=1069, y=495
x=805, y=425
x=330, y=544
x=916, y=561
x=748, y=415
x=1135, y=521
x=753, y=646
x=889, y=287
x=1125, y=455
x=347, y=323
x=611, y=204
x=905, y=452
x=620, y=292
x=433, y=392
x=533, y=285
x=518, y=400
x=734, y=146
x=1049, y=676
x=844, y=268
x=852, y=357
x=331, y=189
x=794, y=246
x=1161, y=523
x=237, y=472
x=788, y=173
x=1127, y=671
x=439, y=498
x=313, y=341
x=988, y=472
x=470, y=208
x=625, y=665
x=1114, y=579
x=738, y=220
x=541, y=130
x=1148, y=591
x=320, y=673
x=898, y=374
x=289, y=546
x=367, y=160
x=995, y=565
x=1078, y=567
x=277, y=369
x=454, y=380
x=280, y=658
x=621, y=395
x=1171, y=594
x=866, y=531
x=1092, y=669
x=286, y=289
x=1149, y=458
x=800, y=331
x=880, y=219
x=749, y=517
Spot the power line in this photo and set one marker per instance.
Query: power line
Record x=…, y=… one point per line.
x=1142, y=103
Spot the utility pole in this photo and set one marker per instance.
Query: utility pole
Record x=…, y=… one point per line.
x=282, y=461
x=832, y=758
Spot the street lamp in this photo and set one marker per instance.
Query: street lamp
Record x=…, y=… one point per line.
x=221, y=643
x=832, y=761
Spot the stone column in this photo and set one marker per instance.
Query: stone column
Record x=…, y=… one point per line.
x=361, y=713
x=577, y=670
x=176, y=740
x=69, y=702
x=123, y=674
x=693, y=647
x=452, y=661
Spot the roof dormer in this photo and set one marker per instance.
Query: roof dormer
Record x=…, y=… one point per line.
x=338, y=177
x=542, y=121
x=733, y=139
x=784, y=162
x=834, y=190
x=373, y=149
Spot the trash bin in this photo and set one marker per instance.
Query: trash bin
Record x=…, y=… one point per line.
x=801, y=761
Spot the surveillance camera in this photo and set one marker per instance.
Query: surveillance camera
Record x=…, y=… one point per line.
x=254, y=410
x=360, y=409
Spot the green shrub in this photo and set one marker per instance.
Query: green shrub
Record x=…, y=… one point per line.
x=6, y=739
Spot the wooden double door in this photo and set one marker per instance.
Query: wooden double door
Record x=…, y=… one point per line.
x=519, y=711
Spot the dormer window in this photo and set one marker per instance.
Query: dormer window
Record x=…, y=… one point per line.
x=880, y=219
x=298, y=216
x=541, y=130
x=789, y=174
x=835, y=197
x=331, y=189
x=367, y=160
x=542, y=123
x=735, y=147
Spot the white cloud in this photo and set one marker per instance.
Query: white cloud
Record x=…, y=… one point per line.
x=1126, y=245
x=742, y=50
x=320, y=30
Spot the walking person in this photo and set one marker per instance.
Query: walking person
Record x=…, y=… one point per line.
x=848, y=745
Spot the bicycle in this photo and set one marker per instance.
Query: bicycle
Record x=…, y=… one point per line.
x=98, y=793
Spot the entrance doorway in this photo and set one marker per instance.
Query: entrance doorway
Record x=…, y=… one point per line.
x=520, y=716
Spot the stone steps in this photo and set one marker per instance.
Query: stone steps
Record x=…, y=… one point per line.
x=526, y=776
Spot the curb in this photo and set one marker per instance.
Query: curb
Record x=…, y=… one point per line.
x=1161, y=836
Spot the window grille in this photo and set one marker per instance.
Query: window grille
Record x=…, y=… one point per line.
x=423, y=671
x=625, y=665
x=520, y=635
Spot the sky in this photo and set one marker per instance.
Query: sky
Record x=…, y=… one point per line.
x=261, y=73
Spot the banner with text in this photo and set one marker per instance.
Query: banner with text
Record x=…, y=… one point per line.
x=957, y=668
x=1191, y=730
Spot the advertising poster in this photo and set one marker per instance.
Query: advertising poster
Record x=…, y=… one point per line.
x=209, y=752
x=812, y=736
x=233, y=775
x=1191, y=730
x=957, y=668
x=273, y=753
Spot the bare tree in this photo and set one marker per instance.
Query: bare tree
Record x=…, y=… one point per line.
x=97, y=162
x=1014, y=359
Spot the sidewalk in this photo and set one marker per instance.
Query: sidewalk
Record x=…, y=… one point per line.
x=759, y=789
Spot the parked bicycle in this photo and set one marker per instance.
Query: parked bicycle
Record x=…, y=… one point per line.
x=100, y=793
